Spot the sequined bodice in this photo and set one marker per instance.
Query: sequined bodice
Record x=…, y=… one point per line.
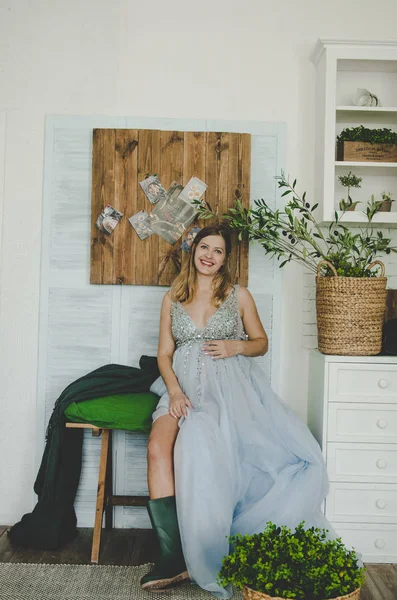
x=224, y=324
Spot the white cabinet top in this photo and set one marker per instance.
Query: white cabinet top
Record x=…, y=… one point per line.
x=342, y=45
x=377, y=359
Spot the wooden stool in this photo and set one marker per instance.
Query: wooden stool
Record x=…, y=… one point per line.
x=105, y=499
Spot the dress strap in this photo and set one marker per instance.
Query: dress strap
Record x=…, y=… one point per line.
x=240, y=327
x=236, y=288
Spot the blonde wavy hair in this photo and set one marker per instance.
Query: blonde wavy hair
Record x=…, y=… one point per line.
x=184, y=287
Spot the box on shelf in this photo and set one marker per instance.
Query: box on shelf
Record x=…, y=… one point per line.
x=365, y=151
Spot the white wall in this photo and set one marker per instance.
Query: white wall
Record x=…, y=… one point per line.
x=211, y=59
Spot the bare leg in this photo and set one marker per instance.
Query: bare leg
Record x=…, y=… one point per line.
x=160, y=457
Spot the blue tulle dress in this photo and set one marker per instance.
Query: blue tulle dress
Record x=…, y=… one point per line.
x=242, y=457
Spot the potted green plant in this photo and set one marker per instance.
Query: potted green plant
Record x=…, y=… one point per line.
x=363, y=144
x=283, y=564
x=350, y=296
x=386, y=202
x=350, y=180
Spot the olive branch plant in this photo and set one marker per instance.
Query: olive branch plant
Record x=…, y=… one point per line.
x=350, y=180
x=293, y=234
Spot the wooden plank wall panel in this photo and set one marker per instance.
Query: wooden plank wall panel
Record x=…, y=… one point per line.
x=171, y=169
x=244, y=179
x=126, y=160
x=146, y=252
x=194, y=154
x=235, y=192
x=103, y=189
x=194, y=160
x=217, y=170
x=123, y=158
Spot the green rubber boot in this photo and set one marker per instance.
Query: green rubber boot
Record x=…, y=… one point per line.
x=169, y=570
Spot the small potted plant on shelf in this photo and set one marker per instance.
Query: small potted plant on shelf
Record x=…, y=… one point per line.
x=299, y=565
x=386, y=202
x=350, y=295
x=350, y=180
x=374, y=206
x=360, y=144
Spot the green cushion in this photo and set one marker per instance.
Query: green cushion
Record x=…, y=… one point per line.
x=120, y=411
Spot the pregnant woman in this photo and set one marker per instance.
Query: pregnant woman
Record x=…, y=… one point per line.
x=225, y=453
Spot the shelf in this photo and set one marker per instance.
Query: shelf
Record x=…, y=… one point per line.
x=347, y=163
x=343, y=67
x=361, y=217
x=369, y=109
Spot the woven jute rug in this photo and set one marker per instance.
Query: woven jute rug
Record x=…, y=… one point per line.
x=19, y=581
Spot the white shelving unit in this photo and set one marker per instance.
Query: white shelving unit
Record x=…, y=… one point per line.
x=343, y=66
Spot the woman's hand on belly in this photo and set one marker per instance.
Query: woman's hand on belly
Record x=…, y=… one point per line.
x=178, y=404
x=221, y=348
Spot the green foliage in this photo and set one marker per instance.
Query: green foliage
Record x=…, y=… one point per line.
x=350, y=180
x=349, y=205
x=387, y=197
x=372, y=207
x=363, y=134
x=293, y=234
x=301, y=564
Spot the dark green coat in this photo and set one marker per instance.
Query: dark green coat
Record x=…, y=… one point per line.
x=53, y=520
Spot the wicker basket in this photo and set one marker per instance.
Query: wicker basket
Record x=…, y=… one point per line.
x=350, y=312
x=249, y=594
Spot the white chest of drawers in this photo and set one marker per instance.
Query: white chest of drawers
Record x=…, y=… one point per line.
x=352, y=412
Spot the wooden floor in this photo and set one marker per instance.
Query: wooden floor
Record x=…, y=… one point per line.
x=136, y=547
x=118, y=547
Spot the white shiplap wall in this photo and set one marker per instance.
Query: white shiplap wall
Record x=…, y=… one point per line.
x=3, y=137
x=84, y=326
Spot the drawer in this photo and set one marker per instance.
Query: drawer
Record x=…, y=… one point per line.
x=372, y=463
x=362, y=383
x=358, y=502
x=377, y=543
x=362, y=422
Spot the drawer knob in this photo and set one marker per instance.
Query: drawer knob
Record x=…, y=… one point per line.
x=381, y=423
x=383, y=383
x=381, y=503
x=380, y=543
x=381, y=463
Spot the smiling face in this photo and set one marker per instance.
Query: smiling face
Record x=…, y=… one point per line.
x=210, y=254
